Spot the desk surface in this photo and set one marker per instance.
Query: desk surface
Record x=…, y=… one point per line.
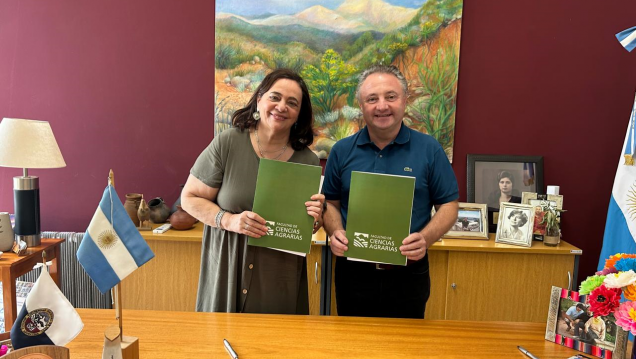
x=164, y=335
x=472, y=245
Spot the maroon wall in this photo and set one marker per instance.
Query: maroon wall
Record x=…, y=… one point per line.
x=126, y=85
x=548, y=78
x=129, y=85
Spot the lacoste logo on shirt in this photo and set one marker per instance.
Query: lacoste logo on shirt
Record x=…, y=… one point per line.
x=408, y=169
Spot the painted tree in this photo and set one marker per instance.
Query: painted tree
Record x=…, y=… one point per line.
x=333, y=78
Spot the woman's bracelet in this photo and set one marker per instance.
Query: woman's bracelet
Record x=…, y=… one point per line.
x=218, y=218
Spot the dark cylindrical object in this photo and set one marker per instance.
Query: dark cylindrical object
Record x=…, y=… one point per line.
x=26, y=197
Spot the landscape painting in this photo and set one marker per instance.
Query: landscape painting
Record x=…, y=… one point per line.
x=329, y=43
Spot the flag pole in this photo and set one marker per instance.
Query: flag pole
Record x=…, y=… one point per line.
x=118, y=311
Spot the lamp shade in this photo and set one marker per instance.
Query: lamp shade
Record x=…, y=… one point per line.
x=28, y=144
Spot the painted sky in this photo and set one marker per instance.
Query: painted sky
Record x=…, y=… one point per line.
x=259, y=7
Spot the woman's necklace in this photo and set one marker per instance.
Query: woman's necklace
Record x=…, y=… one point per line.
x=260, y=149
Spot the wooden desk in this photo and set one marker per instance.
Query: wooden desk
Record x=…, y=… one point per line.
x=12, y=266
x=165, y=335
x=465, y=274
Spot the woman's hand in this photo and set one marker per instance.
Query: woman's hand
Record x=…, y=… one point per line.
x=314, y=209
x=248, y=223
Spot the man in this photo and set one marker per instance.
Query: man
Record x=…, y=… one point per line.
x=594, y=330
x=573, y=313
x=580, y=321
x=386, y=145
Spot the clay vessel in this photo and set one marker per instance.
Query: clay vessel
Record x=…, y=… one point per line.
x=159, y=210
x=133, y=200
x=6, y=232
x=182, y=220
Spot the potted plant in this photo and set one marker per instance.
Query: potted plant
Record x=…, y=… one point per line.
x=551, y=222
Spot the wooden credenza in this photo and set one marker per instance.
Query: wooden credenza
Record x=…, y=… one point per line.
x=170, y=280
x=470, y=279
x=487, y=281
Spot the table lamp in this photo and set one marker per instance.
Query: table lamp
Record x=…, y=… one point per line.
x=28, y=144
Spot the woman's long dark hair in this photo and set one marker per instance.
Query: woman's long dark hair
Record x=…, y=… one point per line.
x=301, y=135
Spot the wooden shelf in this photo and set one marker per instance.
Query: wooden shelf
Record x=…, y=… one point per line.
x=476, y=245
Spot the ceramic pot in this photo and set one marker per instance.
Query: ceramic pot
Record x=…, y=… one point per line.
x=6, y=232
x=159, y=210
x=178, y=201
x=133, y=200
x=552, y=238
x=181, y=219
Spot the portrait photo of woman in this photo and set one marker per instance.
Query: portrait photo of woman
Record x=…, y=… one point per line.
x=505, y=191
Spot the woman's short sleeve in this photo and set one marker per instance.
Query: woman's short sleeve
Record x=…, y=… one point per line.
x=210, y=165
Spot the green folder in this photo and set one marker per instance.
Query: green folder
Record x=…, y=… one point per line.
x=379, y=217
x=282, y=188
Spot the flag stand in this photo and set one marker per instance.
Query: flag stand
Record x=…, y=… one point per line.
x=39, y=351
x=129, y=345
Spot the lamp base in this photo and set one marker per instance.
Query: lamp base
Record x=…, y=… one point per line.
x=33, y=240
x=26, y=202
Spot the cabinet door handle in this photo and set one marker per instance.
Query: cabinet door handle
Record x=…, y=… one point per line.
x=316, y=273
x=454, y=286
x=569, y=281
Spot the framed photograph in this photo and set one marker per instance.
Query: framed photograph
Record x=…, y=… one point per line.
x=536, y=199
x=472, y=222
x=515, y=224
x=493, y=179
x=539, y=201
x=571, y=324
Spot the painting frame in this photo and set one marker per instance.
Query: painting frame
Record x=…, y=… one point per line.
x=329, y=44
x=553, y=334
x=455, y=233
x=504, y=233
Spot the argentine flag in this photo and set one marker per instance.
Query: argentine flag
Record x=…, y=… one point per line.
x=46, y=318
x=627, y=38
x=112, y=247
x=620, y=227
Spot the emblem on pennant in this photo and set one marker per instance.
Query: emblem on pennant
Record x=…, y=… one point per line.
x=107, y=239
x=37, y=321
x=629, y=160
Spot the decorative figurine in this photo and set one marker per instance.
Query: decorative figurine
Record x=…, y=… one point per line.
x=143, y=213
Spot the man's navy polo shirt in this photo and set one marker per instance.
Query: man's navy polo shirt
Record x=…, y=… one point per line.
x=411, y=154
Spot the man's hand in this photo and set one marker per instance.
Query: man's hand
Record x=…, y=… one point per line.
x=414, y=246
x=339, y=242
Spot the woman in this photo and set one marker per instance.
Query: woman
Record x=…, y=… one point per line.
x=516, y=220
x=275, y=124
x=504, y=193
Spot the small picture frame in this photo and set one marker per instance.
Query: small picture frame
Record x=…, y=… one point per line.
x=536, y=199
x=539, y=201
x=472, y=222
x=568, y=329
x=515, y=224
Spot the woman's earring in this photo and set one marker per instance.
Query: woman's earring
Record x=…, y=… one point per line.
x=256, y=116
x=295, y=125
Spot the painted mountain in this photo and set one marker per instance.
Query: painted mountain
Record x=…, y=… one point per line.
x=329, y=43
